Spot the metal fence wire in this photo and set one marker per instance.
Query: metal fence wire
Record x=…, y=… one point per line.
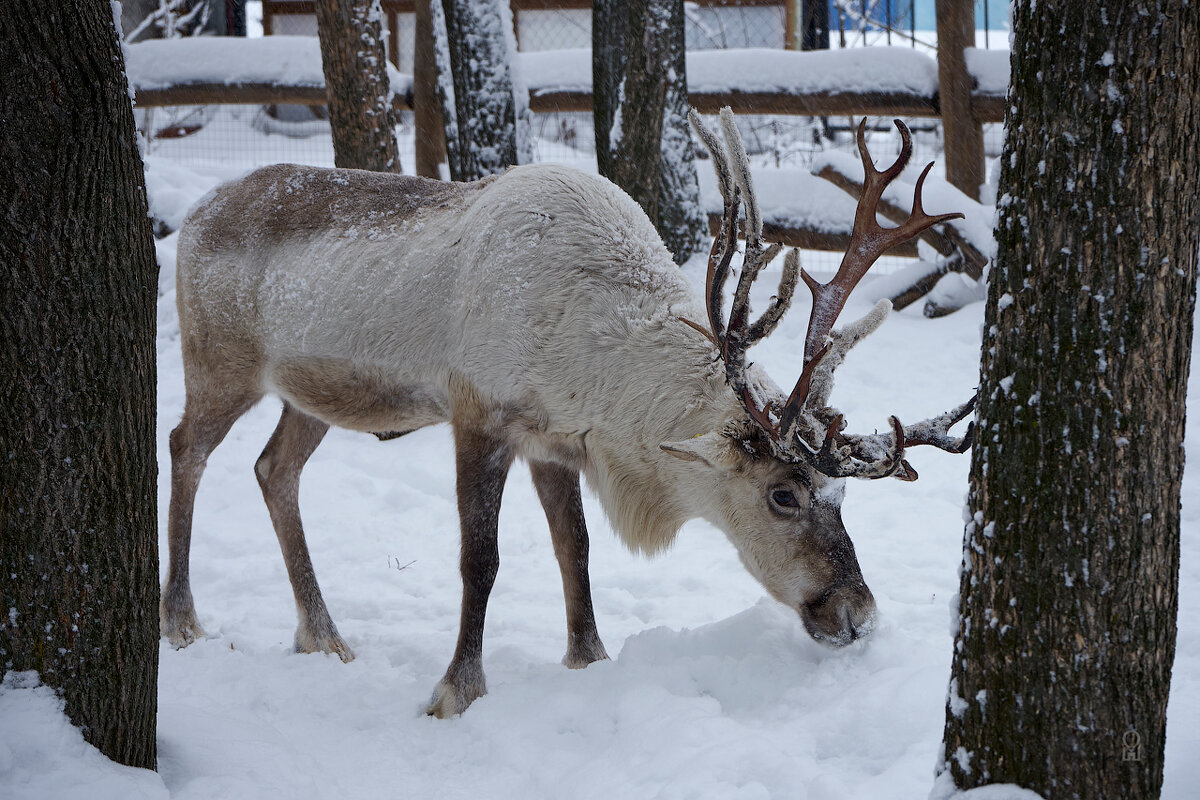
x=243, y=137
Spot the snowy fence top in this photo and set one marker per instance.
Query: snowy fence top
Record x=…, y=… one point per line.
x=264, y=66
x=864, y=80
x=872, y=81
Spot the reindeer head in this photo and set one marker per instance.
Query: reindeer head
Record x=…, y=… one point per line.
x=782, y=459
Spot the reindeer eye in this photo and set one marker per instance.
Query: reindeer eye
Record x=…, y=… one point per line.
x=784, y=498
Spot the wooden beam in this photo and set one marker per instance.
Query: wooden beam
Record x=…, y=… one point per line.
x=816, y=104
x=988, y=107
x=200, y=94
x=808, y=239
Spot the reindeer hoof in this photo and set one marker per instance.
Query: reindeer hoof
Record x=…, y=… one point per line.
x=177, y=620
x=180, y=628
x=583, y=650
x=452, y=696
x=327, y=640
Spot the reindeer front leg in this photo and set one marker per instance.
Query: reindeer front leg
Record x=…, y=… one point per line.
x=482, y=460
x=558, y=488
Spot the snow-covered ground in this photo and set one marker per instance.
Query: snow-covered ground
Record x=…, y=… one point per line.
x=714, y=690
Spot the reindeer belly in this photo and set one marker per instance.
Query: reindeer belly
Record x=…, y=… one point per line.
x=355, y=396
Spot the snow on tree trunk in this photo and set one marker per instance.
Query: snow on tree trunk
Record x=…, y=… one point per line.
x=360, y=97
x=643, y=143
x=78, y=285
x=683, y=225
x=487, y=117
x=445, y=87
x=1069, y=592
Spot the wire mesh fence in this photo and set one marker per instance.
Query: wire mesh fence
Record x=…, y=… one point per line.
x=243, y=137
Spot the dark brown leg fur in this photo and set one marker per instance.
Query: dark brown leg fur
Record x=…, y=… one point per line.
x=558, y=489
x=482, y=460
x=278, y=471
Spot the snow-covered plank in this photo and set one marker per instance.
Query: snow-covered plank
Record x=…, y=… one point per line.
x=875, y=81
x=210, y=68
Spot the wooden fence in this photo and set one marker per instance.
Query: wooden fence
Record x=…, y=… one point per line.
x=962, y=109
x=951, y=95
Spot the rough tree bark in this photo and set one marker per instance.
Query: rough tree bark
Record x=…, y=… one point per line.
x=78, y=285
x=682, y=223
x=356, y=80
x=643, y=143
x=1069, y=593
x=486, y=114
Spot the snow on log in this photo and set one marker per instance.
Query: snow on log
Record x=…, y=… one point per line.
x=267, y=69
x=798, y=209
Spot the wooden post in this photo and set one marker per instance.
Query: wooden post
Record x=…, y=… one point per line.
x=430, y=138
x=963, y=133
x=393, y=41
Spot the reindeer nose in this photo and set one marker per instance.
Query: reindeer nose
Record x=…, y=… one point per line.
x=840, y=615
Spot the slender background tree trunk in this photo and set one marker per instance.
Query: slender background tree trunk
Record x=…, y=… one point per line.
x=360, y=98
x=682, y=224
x=78, y=525
x=1062, y=660
x=486, y=114
x=643, y=143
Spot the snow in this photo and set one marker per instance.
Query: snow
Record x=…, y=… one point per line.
x=788, y=197
x=713, y=690
x=989, y=68
x=274, y=60
x=871, y=69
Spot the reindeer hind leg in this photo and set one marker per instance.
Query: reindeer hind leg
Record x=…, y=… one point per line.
x=278, y=471
x=206, y=420
x=482, y=462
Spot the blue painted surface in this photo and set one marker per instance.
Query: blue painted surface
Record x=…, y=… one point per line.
x=995, y=11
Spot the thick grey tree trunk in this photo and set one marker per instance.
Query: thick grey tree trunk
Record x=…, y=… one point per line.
x=643, y=144
x=489, y=128
x=78, y=286
x=356, y=81
x=1069, y=594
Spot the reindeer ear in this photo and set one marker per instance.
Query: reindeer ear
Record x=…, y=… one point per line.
x=711, y=449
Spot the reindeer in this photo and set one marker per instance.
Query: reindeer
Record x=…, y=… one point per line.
x=538, y=313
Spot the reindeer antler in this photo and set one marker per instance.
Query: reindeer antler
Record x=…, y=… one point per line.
x=838, y=454
x=734, y=339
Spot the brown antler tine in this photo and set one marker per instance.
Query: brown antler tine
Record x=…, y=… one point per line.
x=905, y=151
x=918, y=210
x=889, y=174
x=718, y=272
x=796, y=400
